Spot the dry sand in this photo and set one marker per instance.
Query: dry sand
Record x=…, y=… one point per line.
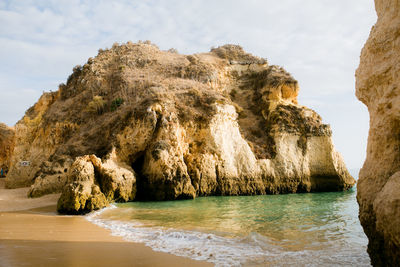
x=32, y=234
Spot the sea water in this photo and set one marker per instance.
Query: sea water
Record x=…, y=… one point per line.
x=316, y=229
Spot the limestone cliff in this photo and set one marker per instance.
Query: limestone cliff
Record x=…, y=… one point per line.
x=36, y=142
x=174, y=126
x=6, y=146
x=378, y=87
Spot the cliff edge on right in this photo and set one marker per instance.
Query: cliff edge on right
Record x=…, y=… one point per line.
x=378, y=87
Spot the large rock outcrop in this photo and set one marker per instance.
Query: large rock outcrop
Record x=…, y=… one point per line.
x=217, y=123
x=92, y=184
x=6, y=146
x=378, y=87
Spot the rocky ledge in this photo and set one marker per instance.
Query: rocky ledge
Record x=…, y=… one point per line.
x=378, y=87
x=6, y=147
x=139, y=123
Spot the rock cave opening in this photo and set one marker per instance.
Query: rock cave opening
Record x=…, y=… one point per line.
x=141, y=179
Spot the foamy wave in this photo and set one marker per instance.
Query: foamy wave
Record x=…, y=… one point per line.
x=192, y=244
x=253, y=250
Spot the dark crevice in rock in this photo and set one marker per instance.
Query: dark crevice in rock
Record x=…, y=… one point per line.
x=218, y=189
x=98, y=179
x=325, y=183
x=194, y=181
x=302, y=188
x=302, y=143
x=141, y=179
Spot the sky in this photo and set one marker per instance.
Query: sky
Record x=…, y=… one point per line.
x=317, y=41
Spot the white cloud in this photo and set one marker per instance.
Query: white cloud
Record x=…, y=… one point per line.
x=318, y=41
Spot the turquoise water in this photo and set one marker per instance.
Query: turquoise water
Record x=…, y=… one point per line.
x=273, y=230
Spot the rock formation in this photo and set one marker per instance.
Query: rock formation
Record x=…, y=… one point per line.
x=6, y=146
x=92, y=184
x=136, y=122
x=378, y=87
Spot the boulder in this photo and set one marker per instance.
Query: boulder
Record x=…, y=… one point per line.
x=92, y=185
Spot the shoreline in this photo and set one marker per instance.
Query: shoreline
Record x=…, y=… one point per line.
x=33, y=234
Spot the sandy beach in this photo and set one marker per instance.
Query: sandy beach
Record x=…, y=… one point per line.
x=33, y=234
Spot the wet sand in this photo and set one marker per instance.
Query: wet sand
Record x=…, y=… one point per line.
x=32, y=234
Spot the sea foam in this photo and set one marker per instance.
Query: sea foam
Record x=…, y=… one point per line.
x=317, y=230
x=196, y=245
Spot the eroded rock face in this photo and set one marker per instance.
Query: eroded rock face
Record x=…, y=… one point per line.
x=378, y=87
x=52, y=176
x=93, y=184
x=82, y=193
x=217, y=123
x=35, y=143
x=6, y=146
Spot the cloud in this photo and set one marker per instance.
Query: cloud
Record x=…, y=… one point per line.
x=318, y=41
